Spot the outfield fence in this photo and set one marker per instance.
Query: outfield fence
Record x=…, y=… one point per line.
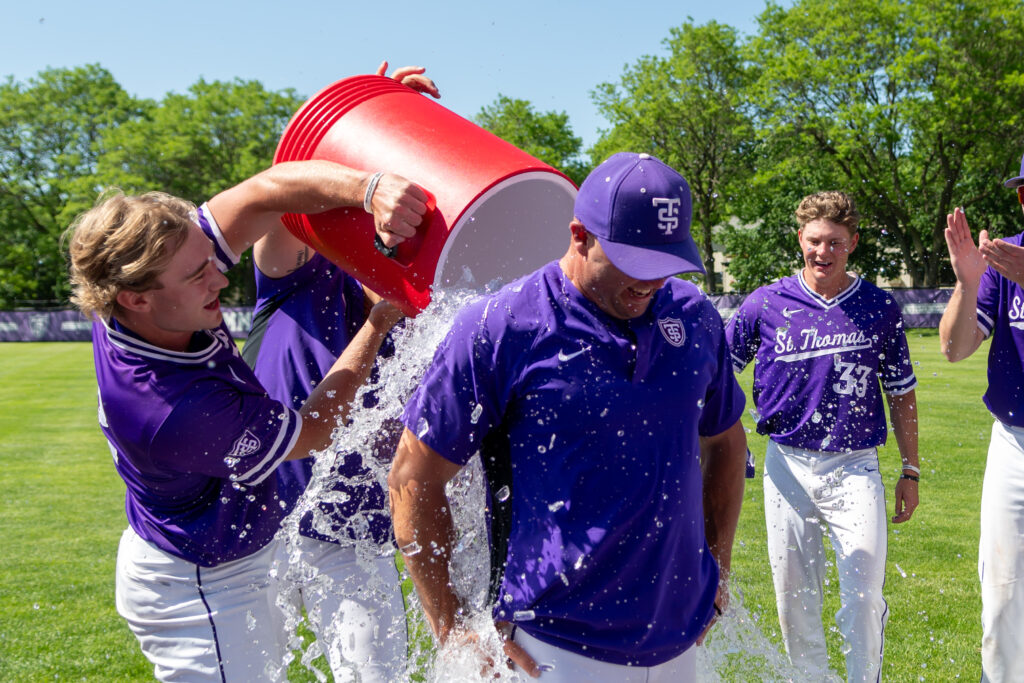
x=70, y=325
x=921, y=308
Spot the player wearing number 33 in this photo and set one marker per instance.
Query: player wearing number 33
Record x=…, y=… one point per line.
x=823, y=339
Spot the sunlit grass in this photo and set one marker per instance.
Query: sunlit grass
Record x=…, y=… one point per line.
x=62, y=515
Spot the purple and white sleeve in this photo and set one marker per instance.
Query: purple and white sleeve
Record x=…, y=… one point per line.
x=228, y=434
x=988, y=301
x=226, y=258
x=741, y=334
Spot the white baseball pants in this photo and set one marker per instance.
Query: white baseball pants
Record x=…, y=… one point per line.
x=356, y=610
x=198, y=623
x=806, y=492
x=1001, y=557
x=562, y=666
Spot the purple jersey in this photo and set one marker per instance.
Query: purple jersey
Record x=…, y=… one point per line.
x=588, y=428
x=1001, y=314
x=301, y=324
x=194, y=436
x=819, y=362
x=196, y=440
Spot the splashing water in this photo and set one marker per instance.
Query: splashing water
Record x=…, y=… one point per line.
x=736, y=649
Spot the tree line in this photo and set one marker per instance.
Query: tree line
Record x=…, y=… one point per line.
x=911, y=107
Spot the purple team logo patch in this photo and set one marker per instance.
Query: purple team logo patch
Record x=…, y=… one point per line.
x=673, y=331
x=247, y=444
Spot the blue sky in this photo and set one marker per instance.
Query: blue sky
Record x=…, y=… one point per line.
x=552, y=53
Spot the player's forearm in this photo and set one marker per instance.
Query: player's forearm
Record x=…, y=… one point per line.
x=903, y=412
x=959, y=334
x=252, y=209
x=425, y=534
x=307, y=187
x=332, y=399
x=724, y=466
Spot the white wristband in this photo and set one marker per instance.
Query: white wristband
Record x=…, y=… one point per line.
x=370, y=188
x=912, y=468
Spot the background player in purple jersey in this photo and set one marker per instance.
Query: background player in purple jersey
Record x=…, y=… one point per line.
x=194, y=435
x=307, y=311
x=823, y=340
x=594, y=389
x=989, y=300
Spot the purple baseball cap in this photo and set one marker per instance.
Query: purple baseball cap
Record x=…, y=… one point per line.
x=1016, y=181
x=639, y=209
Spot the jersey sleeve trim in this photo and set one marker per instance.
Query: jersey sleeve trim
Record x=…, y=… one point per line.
x=985, y=323
x=226, y=258
x=900, y=387
x=287, y=436
x=738, y=364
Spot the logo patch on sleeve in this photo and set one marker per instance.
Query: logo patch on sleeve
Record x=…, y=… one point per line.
x=247, y=444
x=673, y=331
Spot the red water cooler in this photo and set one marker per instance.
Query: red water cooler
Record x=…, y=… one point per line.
x=499, y=213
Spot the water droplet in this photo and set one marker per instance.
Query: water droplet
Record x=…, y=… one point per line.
x=474, y=416
x=503, y=494
x=410, y=549
x=524, y=615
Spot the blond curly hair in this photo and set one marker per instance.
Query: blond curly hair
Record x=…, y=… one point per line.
x=831, y=205
x=123, y=243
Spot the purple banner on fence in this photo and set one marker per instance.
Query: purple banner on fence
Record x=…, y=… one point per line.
x=921, y=307
x=69, y=325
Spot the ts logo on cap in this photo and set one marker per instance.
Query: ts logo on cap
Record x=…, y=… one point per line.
x=668, y=213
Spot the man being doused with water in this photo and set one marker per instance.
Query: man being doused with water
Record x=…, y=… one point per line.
x=827, y=345
x=193, y=433
x=599, y=393
x=307, y=311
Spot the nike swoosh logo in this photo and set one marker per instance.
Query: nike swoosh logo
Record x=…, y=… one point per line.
x=788, y=312
x=234, y=375
x=870, y=469
x=563, y=356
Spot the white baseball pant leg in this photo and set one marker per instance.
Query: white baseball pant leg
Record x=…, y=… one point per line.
x=357, y=612
x=201, y=623
x=1001, y=557
x=562, y=666
x=803, y=492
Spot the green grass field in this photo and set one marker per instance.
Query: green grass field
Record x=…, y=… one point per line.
x=62, y=515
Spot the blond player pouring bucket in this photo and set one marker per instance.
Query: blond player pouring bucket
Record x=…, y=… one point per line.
x=193, y=433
